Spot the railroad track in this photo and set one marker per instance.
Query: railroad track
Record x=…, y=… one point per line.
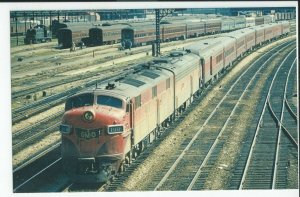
x=27, y=136
x=190, y=151
x=27, y=177
x=119, y=180
x=292, y=82
x=267, y=160
x=192, y=167
x=39, y=106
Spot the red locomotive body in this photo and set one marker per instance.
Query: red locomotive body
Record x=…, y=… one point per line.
x=96, y=132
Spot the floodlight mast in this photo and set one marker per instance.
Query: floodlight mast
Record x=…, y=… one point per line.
x=159, y=14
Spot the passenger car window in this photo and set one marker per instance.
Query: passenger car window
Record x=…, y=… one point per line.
x=79, y=101
x=109, y=101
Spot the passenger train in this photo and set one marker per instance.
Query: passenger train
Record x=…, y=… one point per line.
x=137, y=34
x=104, y=128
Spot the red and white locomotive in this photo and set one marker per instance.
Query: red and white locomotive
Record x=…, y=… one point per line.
x=105, y=127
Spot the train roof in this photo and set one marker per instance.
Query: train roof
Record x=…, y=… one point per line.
x=241, y=32
x=112, y=27
x=132, y=84
x=140, y=27
x=148, y=75
x=201, y=48
x=212, y=20
x=78, y=28
x=78, y=24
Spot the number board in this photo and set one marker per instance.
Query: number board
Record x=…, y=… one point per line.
x=87, y=134
x=115, y=129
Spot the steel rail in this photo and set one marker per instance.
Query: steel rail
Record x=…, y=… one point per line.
x=294, y=115
x=207, y=120
x=39, y=133
x=280, y=124
x=258, y=128
x=31, y=127
x=287, y=133
x=37, y=157
x=37, y=174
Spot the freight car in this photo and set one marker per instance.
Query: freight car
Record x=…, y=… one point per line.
x=106, y=127
x=38, y=34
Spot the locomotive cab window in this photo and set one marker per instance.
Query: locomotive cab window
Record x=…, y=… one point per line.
x=109, y=101
x=79, y=101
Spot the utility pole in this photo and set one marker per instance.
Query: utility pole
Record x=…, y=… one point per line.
x=50, y=27
x=157, y=31
x=159, y=14
x=17, y=30
x=25, y=17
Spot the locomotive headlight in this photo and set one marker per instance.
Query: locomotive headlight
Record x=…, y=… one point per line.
x=88, y=116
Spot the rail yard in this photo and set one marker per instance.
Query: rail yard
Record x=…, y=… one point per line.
x=96, y=109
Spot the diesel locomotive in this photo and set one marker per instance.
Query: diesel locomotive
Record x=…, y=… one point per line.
x=104, y=128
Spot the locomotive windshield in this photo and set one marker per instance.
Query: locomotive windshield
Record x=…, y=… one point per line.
x=109, y=101
x=80, y=101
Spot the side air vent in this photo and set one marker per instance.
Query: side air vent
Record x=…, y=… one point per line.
x=206, y=43
x=133, y=82
x=150, y=75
